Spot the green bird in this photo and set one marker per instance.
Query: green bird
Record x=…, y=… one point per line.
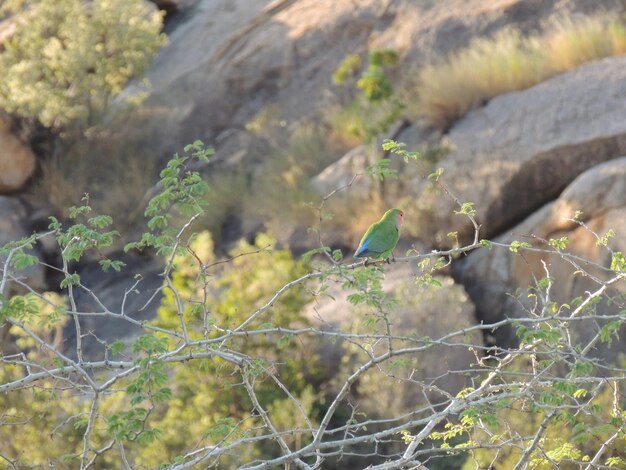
x=382, y=237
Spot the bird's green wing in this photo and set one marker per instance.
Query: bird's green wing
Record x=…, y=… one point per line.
x=381, y=237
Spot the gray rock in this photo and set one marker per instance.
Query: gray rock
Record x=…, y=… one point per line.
x=343, y=172
x=13, y=215
x=113, y=289
x=522, y=149
x=490, y=276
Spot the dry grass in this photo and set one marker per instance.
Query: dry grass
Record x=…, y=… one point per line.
x=572, y=43
x=508, y=62
x=345, y=124
x=114, y=180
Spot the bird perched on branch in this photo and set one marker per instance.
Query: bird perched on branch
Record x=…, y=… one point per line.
x=382, y=237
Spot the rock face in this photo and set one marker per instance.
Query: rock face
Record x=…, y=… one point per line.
x=17, y=161
x=257, y=53
x=12, y=228
x=488, y=275
x=522, y=149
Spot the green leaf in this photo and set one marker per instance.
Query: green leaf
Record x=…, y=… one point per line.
x=148, y=436
x=137, y=399
x=150, y=344
x=70, y=280
x=604, y=240
x=81, y=423
x=398, y=364
x=515, y=246
x=356, y=298
x=381, y=169
x=22, y=260
x=581, y=369
x=399, y=149
x=545, y=282
x=465, y=392
x=615, y=462
x=100, y=221
x=116, y=347
x=306, y=257
x=467, y=208
x=427, y=280
x=54, y=223
x=434, y=176
x=107, y=264
x=618, y=261
x=610, y=330
x=162, y=395
x=75, y=212
x=390, y=145
x=559, y=243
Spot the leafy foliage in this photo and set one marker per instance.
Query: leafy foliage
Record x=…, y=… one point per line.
x=232, y=373
x=205, y=399
x=67, y=59
x=377, y=106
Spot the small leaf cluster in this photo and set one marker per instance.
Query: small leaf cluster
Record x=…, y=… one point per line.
x=147, y=385
x=399, y=148
x=181, y=191
x=79, y=238
x=377, y=99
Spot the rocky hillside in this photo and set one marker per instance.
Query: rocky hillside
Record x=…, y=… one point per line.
x=527, y=160
x=258, y=53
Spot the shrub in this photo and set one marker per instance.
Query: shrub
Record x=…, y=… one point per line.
x=376, y=106
x=508, y=62
x=68, y=58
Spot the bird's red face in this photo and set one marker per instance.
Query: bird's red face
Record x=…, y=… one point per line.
x=400, y=218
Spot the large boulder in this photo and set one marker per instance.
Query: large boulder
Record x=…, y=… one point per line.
x=17, y=160
x=490, y=276
x=522, y=149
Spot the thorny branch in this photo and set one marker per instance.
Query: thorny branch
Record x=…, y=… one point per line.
x=494, y=380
